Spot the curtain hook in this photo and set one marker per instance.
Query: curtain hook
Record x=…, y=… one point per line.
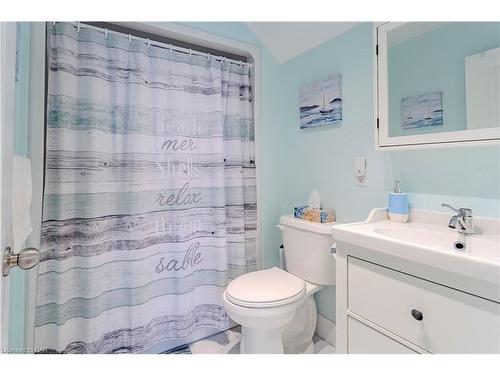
x=78, y=26
x=106, y=33
x=149, y=42
x=129, y=38
x=53, y=24
x=170, y=50
x=190, y=52
x=208, y=56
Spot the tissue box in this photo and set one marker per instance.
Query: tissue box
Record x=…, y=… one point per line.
x=318, y=216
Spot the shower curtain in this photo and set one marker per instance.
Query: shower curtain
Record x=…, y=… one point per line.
x=150, y=194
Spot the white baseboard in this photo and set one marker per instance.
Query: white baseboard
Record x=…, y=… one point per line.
x=325, y=329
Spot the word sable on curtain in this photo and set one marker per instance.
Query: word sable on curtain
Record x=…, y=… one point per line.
x=150, y=194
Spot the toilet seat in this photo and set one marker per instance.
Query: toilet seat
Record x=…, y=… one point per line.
x=267, y=288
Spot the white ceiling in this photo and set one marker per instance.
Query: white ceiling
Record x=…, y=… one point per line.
x=288, y=39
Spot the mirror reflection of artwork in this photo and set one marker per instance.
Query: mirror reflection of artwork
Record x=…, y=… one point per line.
x=321, y=102
x=422, y=110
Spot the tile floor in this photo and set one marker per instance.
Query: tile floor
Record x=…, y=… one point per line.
x=228, y=342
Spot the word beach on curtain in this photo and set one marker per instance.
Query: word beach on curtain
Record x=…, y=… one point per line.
x=150, y=196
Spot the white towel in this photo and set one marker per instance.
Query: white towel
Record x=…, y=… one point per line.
x=21, y=200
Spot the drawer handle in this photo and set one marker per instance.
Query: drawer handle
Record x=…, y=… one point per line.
x=417, y=315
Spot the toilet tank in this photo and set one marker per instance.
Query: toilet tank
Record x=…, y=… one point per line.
x=307, y=248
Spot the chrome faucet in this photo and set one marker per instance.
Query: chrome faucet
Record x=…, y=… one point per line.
x=462, y=221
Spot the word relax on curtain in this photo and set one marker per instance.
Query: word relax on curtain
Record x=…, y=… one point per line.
x=180, y=197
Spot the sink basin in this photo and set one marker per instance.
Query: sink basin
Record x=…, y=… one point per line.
x=435, y=250
x=474, y=245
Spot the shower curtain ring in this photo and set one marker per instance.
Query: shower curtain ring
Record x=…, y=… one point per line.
x=78, y=26
x=129, y=38
x=170, y=50
x=190, y=52
x=105, y=33
x=149, y=42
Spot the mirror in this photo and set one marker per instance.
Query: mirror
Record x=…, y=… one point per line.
x=438, y=82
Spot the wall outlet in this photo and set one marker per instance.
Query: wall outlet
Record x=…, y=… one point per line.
x=360, y=171
x=361, y=182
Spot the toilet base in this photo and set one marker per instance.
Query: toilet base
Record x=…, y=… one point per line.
x=255, y=341
x=297, y=337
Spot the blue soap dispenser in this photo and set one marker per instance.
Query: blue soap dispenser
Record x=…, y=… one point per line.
x=398, y=205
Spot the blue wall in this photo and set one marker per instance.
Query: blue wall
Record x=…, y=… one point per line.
x=17, y=276
x=323, y=158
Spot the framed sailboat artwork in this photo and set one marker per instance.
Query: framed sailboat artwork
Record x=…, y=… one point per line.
x=321, y=102
x=421, y=111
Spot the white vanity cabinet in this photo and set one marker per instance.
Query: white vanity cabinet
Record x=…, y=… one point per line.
x=363, y=339
x=386, y=302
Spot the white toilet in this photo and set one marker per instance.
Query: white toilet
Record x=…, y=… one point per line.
x=276, y=308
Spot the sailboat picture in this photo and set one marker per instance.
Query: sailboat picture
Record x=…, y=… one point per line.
x=321, y=102
x=422, y=110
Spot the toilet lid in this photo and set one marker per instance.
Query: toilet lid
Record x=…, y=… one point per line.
x=266, y=288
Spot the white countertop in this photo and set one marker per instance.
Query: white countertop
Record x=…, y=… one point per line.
x=426, y=240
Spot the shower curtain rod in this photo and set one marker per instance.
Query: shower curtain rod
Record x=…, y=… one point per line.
x=149, y=42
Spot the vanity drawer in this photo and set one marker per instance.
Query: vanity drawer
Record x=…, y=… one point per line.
x=451, y=321
x=366, y=340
